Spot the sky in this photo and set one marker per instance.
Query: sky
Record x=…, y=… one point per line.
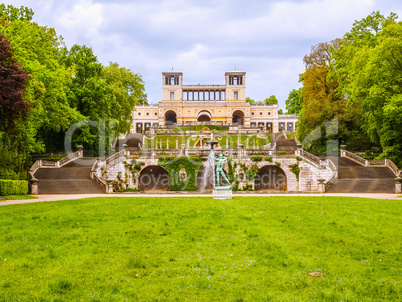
x=203, y=39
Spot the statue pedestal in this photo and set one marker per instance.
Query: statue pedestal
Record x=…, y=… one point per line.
x=222, y=192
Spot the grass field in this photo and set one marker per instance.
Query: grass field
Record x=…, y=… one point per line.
x=17, y=197
x=245, y=249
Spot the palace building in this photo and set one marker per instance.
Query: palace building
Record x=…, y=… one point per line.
x=187, y=105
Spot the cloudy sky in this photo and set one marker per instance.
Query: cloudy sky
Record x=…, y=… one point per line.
x=203, y=39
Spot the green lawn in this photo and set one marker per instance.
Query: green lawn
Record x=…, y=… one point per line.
x=245, y=249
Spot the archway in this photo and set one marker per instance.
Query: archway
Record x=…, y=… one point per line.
x=154, y=178
x=170, y=117
x=204, y=116
x=238, y=117
x=270, y=178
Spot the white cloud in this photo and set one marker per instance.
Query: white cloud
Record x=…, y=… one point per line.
x=85, y=17
x=265, y=38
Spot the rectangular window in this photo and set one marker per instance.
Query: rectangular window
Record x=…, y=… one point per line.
x=156, y=113
x=235, y=80
x=147, y=114
x=269, y=126
x=171, y=95
x=269, y=113
x=172, y=80
x=252, y=113
x=139, y=113
x=260, y=113
x=235, y=95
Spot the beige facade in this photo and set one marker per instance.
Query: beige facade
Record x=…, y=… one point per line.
x=226, y=105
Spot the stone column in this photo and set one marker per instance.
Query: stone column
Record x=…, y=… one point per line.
x=321, y=185
x=126, y=152
x=80, y=151
x=398, y=185
x=109, y=186
x=34, y=186
x=343, y=150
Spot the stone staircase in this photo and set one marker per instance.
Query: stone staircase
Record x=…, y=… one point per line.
x=355, y=178
x=73, y=178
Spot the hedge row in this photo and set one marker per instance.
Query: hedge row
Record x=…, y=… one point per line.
x=13, y=187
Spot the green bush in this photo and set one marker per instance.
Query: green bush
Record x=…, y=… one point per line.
x=13, y=187
x=278, y=163
x=269, y=159
x=256, y=158
x=174, y=164
x=10, y=174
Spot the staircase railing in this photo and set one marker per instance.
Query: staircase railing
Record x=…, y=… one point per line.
x=393, y=167
x=332, y=180
x=69, y=158
x=384, y=162
x=355, y=157
x=42, y=163
x=113, y=159
x=312, y=158
x=95, y=176
x=334, y=171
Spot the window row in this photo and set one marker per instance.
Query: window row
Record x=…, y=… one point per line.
x=140, y=127
x=291, y=127
x=203, y=95
x=146, y=113
x=261, y=113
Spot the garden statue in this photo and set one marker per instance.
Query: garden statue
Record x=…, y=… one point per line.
x=219, y=170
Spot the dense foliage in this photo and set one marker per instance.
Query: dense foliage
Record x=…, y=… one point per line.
x=66, y=87
x=368, y=65
x=13, y=187
x=173, y=165
x=355, y=81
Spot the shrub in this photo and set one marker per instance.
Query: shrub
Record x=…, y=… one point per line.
x=13, y=187
x=256, y=158
x=298, y=158
x=278, y=164
x=296, y=170
x=269, y=159
x=10, y=174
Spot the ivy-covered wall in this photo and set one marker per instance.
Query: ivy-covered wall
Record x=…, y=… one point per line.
x=173, y=165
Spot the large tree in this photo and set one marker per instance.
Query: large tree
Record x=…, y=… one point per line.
x=13, y=110
x=368, y=66
x=13, y=80
x=294, y=103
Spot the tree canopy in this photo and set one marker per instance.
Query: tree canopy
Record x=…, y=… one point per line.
x=65, y=86
x=356, y=80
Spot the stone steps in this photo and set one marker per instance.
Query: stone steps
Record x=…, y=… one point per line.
x=355, y=178
x=73, y=178
x=363, y=186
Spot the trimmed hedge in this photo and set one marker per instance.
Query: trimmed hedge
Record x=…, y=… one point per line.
x=13, y=187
